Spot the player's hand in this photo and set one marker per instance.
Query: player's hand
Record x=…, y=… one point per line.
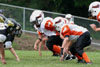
x=93, y=26
x=40, y=54
x=35, y=47
x=45, y=48
x=62, y=58
x=18, y=59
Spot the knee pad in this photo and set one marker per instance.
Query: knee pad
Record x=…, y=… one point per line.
x=2, y=38
x=8, y=44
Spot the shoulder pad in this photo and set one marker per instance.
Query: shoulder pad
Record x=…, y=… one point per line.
x=10, y=23
x=2, y=18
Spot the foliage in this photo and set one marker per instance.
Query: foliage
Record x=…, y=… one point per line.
x=75, y=7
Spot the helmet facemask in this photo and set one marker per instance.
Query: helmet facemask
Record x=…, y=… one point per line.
x=58, y=24
x=39, y=19
x=36, y=18
x=37, y=22
x=93, y=13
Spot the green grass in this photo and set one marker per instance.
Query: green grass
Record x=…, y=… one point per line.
x=32, y=59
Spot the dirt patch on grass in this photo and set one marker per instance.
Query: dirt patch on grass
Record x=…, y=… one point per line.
x=25, y=42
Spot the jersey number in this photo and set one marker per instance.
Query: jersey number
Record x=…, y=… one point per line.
x=49, y=25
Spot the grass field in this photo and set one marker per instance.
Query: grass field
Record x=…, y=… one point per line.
x=32, y=59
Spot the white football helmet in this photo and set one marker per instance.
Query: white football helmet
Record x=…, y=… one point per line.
x=94, y=8
x=37, y=17
x=58, y=22
x=70, y=18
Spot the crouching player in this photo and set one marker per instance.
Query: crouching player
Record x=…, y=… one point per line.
x=10, y=37
x=59, y=19
x=78, y=36
x=3, y=33
x=45, y=27
x=5, y=29
x=70, y=18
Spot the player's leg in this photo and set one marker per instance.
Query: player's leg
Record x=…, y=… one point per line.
x=8, y=45
x=14, y=53
x=82, y=42
x=2, y=53
x=74, y=52
x=2, y=39
x=52, y=46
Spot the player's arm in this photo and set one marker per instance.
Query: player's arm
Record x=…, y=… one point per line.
x=96, y=29
x=93, y=26
x=37, y=42
x=65, y=32
x=39, y=50
x=65, y=47
x=44, y=38
x=61, y=36
x=39, y=39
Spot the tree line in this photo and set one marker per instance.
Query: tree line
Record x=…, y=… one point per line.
x=75, y=7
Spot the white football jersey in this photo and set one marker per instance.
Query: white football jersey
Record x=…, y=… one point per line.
x=47, y=27
x=73, y=31
x=3, y=26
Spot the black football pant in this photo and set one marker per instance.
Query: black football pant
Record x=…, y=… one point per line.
x=83, y=41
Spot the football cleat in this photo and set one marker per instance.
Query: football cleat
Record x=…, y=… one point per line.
x=81, y=61
x=89, y=63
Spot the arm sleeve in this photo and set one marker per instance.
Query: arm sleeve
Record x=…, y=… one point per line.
x=98, y=17
x=39, y=33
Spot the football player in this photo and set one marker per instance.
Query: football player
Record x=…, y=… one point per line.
x=78, y=36
x=3, y=33
x=45, y=26
x=65, y=21
x=13, y=29
x=17, y=31
x=70, y=18
x=94, y=10
x=5, y=29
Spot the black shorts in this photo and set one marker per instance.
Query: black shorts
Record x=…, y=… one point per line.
x=53, y=40
x=83, y=41
x=10, y=38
